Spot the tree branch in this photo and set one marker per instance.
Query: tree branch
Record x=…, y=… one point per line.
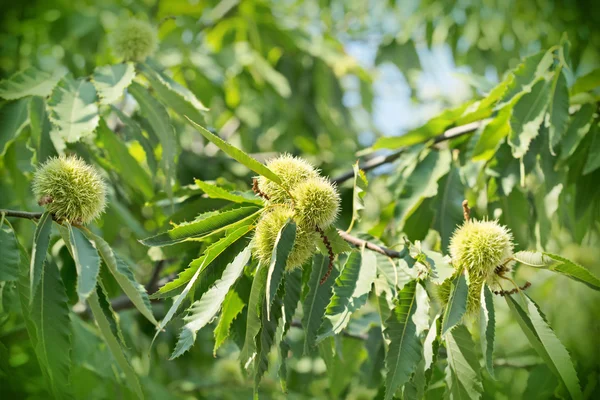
x=371, y=246
x=21, y=214
x=375, y=162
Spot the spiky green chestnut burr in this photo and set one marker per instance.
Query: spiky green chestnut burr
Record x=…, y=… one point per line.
x=478, y=247
x=292, y=171
x=317, y=203
x=135, y=40
x=266, y=233
x=70, y=189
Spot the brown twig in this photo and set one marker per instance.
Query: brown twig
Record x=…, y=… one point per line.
x=257, y=190
x=375, y=162
x=466, y=210
x=331, y=255
x=371, y=246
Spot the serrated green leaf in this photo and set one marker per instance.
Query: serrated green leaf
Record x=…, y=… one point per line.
x=234, y=303
x=215, y=192
x=126, y=166
x=586, y=83
x=492, y=135
x=200, y=228
x=558, y=109
x=464, y=378
x=11, y=256
x=111, y=81
x=359, y=190
x=49, y=314
x=457, y=304
x=113, y=344
x=316, y=300
x=435, y=126
x=449, y=208
x=41, y=240
x=14, y=118
x=405, y=351
x=204, y=310
x=545, y=342
x=431, y=346
x=281, y=250
x=350, y=292
x=487, y=328
x=255, y=311
x=161, y=125
x=211, y=263
x=29, y=82
x=72, y=109
x=420, y=183
x=579, y=126
x=526, y=74
x=593, y=159
x=532, y=258
x=265, y=340
x=122, y=273
x=292, y=286
x=174, y=96
x=86, y=260
x=109, y=313
x=527, y=117
x=132, y=130
x=573, y=271
x=197, y=267
x=237, y=154
x=40, y=130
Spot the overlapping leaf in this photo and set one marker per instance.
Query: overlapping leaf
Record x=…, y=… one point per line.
x=41, y=240
x=255, y=312
x=122, y=273
x=463, y=377
x=204, y=310
x=216, y=192
x=237, y=154
x=457, y=304
x=86, y=260
x=281, y=250
x=14, y=118
x=11, y=256
x=29, y=82
x=487, y=322
x=316, y=300
x=350, y=292
x=200, y=228
x=112, y=80
x=73, y=109
x=404, y=352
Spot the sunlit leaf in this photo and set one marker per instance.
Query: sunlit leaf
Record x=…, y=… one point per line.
x=255, y=312
x=405, y=351
x=532, y=258
x=449, y=208
x=316, y=300
x=237, y=154
x=122, y=273
x=487, y=328
x=457, y=304
x=30, y=82
x=112, y=80
x=464, y=378
x=359, y=191
x=281, y=250
x=573, y=271
x=200, y=228
x=350, y=292
x=72, y=109
x=586, y=83
x=492, y=135
x=204, y=310
x=215, y=192
x=86, y=260
x=527, y=117
x=234, y=303
x=542, y=338
x=265, y=340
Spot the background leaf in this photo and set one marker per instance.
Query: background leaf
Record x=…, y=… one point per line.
x=86, y=260
x=41, y=240
x=111, y=81
x=281, y=250
x=11, y=256
x=464, y=379
x=29, y=82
